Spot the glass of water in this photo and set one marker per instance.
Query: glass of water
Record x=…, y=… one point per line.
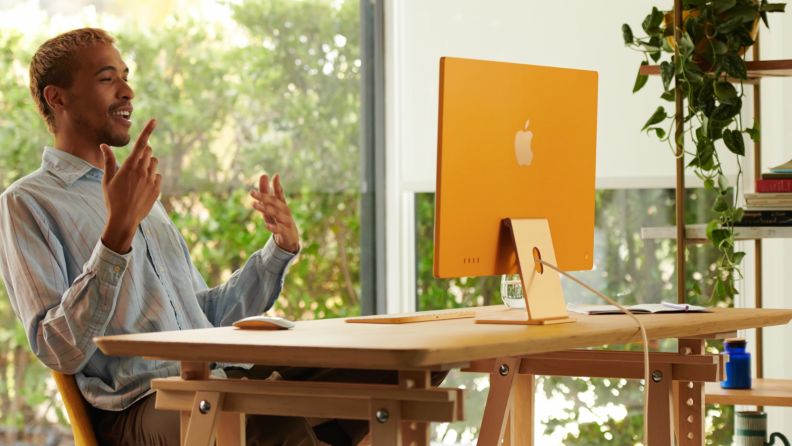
x=512, y=291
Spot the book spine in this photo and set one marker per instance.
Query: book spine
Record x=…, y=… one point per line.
x=770, y=186
x=766, y=218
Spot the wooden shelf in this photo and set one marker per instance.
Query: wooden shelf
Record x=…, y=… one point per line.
x=764, y=392
x=696, y=234
x=756, y=70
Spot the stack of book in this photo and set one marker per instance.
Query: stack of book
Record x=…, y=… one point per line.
x=771, y=205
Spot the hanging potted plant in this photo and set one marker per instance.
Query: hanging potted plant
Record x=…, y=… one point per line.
x=711, y=70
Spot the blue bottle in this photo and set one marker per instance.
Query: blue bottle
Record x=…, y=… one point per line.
x=738, y=369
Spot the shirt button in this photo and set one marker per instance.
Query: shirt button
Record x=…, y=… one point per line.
x=162, y=269
x=148, y=232
x=177, y=306
x=117, y=268
x=104, y=307
x=87, y=176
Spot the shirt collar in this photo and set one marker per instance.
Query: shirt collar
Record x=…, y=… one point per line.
x=66, y=166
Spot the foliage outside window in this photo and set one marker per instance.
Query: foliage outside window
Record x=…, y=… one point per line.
x=272, y=87
x=582, y=411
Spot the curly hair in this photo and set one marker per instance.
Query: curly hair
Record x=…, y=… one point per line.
x=55, y=63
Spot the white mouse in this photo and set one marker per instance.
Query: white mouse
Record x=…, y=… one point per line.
x=264, y=323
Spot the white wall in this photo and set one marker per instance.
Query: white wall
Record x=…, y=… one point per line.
x=587, y=36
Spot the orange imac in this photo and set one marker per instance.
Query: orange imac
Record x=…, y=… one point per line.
x=516, y=153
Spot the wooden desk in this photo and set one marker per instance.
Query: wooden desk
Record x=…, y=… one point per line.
x=401, y=414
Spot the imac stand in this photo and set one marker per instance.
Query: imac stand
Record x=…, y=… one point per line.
x=544, y=298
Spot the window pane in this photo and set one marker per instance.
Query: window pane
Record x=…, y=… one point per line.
x=630, y=270
x=240, y=89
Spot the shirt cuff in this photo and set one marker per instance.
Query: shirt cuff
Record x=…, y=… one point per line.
x=275, y=258
x=108, y=265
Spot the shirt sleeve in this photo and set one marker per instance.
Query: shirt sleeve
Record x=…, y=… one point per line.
x=60, y=318
x=249, y=291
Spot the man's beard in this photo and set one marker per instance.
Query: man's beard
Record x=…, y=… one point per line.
x=103, y=134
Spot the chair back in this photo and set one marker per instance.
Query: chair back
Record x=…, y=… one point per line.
x=75, y=407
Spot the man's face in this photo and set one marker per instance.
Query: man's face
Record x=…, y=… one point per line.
x=100, y=100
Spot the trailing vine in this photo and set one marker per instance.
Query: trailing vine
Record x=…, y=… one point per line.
x=711, y=72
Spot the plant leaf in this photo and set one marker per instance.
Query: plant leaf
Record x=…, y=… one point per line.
x=720, y=205
x=640, y=81
x=719, y=236
x=709, y=183
x=754, y=132
x=724, y=5
x=738, y=39
x=723, y=183
x=725, y=112
x=719, y=47
x=657, y=117
x=743, y=11
x=713, y=225
x=669, y=96
x=729, y=25
x=734, y=141
x=725, y=90
x=772, y=7
x=660, y=133
x=667, y=74
x=735, y=66
x=657, y=42
x=737, y=258
x=652, y=22
x=738, y=214
x=721, y=287
x=696, y=288
x=627, y=34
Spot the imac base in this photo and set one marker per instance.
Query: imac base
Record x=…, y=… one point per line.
x=544, y=298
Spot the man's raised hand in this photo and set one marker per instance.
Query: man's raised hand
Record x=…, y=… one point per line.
x=271, y=202
x=130, y=192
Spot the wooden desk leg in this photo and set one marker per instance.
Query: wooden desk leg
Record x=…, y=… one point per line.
x=508, y=433
x=231, y=431
x=190, y=371
x=184, y=421
x=661, y=418
x=523, y=410
x=385, y=423
x=690, y=400
x=195, y=370
x=414, y=433
x=503, y=380
x=202, y=429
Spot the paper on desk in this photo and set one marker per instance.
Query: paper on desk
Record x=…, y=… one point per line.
x=636, y=309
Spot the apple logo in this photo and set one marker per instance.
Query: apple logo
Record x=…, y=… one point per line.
x=522, y=146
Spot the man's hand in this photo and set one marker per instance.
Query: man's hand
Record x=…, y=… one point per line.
x=277, y=216
x=131, y=192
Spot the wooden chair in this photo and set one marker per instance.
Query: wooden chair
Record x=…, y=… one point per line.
x=75, y=407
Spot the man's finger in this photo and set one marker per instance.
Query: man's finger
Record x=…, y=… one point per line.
x=142, y=140
x=276, y=184
x=264, y=184
x=153, y=163
x=109, y=163
x=145, y=159
x=269, y=200
x=272, y=215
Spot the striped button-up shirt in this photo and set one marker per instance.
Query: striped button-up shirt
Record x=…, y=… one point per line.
x=66, y=287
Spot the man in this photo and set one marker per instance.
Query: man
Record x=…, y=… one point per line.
x=87, y=250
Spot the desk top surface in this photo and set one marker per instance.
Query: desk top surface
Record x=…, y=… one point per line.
x=334, y=343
